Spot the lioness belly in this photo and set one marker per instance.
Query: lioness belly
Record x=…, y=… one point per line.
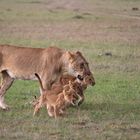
x=21, y=76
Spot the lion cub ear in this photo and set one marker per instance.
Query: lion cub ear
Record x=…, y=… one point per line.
x=70, y=84
x=65, y=91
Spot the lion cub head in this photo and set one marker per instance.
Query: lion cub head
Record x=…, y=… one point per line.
x=88, y=80
x=77, y=65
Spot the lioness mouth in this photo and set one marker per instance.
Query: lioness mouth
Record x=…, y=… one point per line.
x=80, y=77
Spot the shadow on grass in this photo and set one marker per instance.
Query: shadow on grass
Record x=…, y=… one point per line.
x=112, y=107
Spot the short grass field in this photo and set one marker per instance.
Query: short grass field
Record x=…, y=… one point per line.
x=107, y=32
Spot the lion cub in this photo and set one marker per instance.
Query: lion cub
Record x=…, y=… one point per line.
x=56, y=103
x=79, y=85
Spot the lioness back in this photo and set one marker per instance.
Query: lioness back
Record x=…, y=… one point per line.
x=23, y=62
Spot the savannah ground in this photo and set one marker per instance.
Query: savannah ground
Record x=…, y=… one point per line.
x=107, y=32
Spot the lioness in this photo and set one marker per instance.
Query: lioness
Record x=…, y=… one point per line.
x=50, y=63
x=56, y=103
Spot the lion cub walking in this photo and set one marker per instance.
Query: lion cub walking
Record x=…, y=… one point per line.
x=56, y=103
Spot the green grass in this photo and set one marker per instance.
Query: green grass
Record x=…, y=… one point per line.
x=111, y=109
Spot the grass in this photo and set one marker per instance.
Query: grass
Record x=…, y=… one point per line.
x=110, y=111
x=111, y=108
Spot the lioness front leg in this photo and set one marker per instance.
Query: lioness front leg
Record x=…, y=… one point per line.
x=6, y=83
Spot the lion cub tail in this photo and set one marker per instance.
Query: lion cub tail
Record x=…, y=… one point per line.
x=41, y=86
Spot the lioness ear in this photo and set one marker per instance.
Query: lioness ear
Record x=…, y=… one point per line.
x=79, y=53
x=70, y=55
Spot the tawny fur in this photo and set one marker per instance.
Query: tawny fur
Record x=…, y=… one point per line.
x=79, y=86
x=50, y=63
x=57, y=88
x=56, y=103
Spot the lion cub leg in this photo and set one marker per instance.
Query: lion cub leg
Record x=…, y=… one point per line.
x=56, y=111
x=50, y=111
x=36, y=109
x=38, y=105
x=61, y=112
x=6, y=84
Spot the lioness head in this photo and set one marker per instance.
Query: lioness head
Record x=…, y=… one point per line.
x=77, y=65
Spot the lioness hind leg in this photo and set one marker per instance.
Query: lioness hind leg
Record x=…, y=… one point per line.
x=6, y=84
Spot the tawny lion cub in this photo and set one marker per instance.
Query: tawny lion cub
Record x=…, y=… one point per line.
x=56, y=103
x=78, y=86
